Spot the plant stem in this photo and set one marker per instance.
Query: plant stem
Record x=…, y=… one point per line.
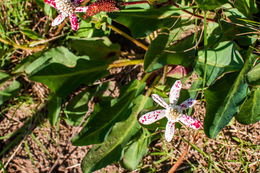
x=195, y=15
x=128, y=37
x=126, y=63
x=132, y=3
x=206, y=53
x=33, y=49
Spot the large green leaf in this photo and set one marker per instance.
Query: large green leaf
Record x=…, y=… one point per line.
x=96, y=48
x=246, y=7
x=142, y=22
x=250, y=109
x=253, y=76
x=210, y=4
x=221, y=59
x=10, y=90
x=101, y=123
x=135, y=151
x=223, y=100
x=62, y=79
x=55, y=55
x=111, y=150
x=54, y=107
x=160, y=54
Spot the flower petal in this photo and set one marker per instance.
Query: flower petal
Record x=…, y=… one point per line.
x=153, y=116
x=81, y=9
x=74, y=22
x=60, y=18
x=190, y=122
x=188, y=103
x=175, y=92
x=159, y=100
x=169, y=132
x=51, y=3
x=77, y=2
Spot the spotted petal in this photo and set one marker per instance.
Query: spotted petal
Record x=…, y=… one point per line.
x=159, y=100
x=169, y=132
x=74, y=22
x=60, y=18
x=190, y=122
x=188, y=103
x=51, y=3
x=81, y=9
x=175, y=92
x=151, y=117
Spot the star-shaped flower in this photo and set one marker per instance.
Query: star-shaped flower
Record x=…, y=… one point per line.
x=67, y=8
x=172, y=112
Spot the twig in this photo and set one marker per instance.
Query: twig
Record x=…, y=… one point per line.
x=126, y=63
x=195, y=15
x=180, y=160
x=128, y=37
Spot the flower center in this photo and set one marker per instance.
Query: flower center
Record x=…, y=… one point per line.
x=65, y=6
x=174, y=112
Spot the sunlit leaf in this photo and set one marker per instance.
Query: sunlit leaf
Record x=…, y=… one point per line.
x=99, y=126
x=224, y=98
x=250, y=109
x=111, y=150
x=221, y=59
x=62, y=79
x=253, y=76
x=210, y=4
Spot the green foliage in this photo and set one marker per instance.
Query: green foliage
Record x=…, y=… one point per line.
x=210, y=4
x=226, y=72
x=250, y=110
x=253, y=77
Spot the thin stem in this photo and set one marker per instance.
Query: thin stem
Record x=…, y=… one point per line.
x=128, y=37
x=126, y=63
x=206, y=54
x=132, y=3
x=195, y=15
x=34, y=49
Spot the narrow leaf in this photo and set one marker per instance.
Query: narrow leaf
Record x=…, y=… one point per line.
x=54, y=107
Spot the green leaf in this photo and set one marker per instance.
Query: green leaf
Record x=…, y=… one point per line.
x=135, y=151
x=111, y=150
x=59, y=55
x=142, y=22
x=224, y=98
x=246, y=7
x=96, y=48
x=4, y=77
x=31, y=34
x=159, y=54
x=210, y=4
x=221, y=59
x=54, y=107
x=9, y=91
x=155, y=51
x=101, y=123
x=62, y=79
x=250, y=109
x=77, y=108
x=253, y=76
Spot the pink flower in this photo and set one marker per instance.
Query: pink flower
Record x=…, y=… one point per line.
x=172, y=112
x=67, y=8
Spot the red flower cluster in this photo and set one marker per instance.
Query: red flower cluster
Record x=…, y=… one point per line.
x=101, y=5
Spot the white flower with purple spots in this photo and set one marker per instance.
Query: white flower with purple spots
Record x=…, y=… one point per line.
x=172, y=112
x=67, y=8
